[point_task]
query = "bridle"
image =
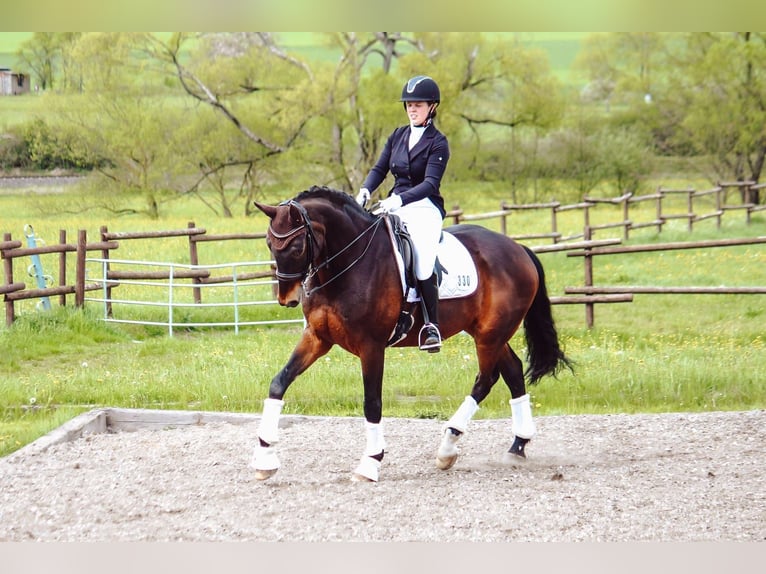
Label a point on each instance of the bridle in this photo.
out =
(310, 270)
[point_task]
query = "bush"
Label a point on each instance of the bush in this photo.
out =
(35, 145)
(13, 152)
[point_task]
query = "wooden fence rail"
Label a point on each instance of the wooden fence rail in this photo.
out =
(663, 214)
(591, 290)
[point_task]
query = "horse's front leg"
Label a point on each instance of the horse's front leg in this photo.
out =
(368, 468)
(265, 461)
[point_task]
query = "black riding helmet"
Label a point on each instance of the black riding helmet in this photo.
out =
(422, 89)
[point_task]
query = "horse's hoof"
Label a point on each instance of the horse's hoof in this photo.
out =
(265, 462)
(516, 453)
(360, 478)
(367, 471)
(447, 462)
(265, 474)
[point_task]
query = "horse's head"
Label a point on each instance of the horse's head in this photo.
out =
(293, 244)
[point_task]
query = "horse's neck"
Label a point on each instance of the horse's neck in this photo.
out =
(350, 238)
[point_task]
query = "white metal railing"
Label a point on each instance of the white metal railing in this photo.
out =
(239, 293)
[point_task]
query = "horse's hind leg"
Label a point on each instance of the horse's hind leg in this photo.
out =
(522, 423)
(454, 428)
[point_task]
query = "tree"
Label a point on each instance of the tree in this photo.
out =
(38, 53)
(359, 111)
(254, 86)
(721, 98)
(127, 127)
(493, 90)
(622, 67)
(49, 56)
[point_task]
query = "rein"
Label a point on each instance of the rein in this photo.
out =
(311, 270)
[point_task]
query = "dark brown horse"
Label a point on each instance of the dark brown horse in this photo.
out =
(337, 260)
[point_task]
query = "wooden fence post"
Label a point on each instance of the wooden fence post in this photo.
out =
(625, 218)
(62, 267)
(718, 207)
(588, 266)
(690, 209)
(194, 260)
(79, 280)
(10, 312)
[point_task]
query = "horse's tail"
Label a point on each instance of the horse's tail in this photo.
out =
(545, 356)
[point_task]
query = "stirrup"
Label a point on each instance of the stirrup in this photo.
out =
(433, 338)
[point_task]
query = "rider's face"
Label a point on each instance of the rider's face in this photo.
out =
(417, 112)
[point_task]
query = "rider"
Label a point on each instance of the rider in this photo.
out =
(416, 154)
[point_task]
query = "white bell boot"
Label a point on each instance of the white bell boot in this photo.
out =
(522, 423)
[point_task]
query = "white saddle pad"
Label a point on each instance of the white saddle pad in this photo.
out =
(458, 276)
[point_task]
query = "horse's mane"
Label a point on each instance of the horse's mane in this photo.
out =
(334, 196)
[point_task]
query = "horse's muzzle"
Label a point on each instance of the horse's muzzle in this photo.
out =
(290, 296)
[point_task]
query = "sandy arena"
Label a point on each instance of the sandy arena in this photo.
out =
(663, 477)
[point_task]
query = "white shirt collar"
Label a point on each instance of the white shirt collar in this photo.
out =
(416, 132)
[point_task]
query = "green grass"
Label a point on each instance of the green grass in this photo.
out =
(657, 354)
(17, 110)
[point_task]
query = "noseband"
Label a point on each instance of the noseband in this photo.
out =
(310, 270)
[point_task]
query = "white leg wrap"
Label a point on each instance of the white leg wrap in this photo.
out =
(268, 430)
(375, 441)
(448, 445)
(522, 424)
(463, 415)
(368, 468)
(264, 458)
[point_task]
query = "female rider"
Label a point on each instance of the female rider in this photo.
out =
(416, 154)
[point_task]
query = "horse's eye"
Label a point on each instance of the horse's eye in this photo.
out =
(296, 249)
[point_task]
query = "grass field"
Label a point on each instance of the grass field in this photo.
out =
(657, 354)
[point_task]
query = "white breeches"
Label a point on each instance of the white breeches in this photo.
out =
(424, 224)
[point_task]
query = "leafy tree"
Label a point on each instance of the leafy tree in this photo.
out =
(38, 53)
(126, 126)
(721, 98)
(49, 56)
(252, 85)
(622, 67)
(493, 90)
(359, 112)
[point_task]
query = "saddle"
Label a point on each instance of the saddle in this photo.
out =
(461, 283)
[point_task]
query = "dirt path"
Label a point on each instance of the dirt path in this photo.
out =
(668, 477)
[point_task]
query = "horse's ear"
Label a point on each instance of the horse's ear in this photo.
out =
(269, 210)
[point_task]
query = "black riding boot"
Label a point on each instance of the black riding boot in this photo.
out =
(430, 339)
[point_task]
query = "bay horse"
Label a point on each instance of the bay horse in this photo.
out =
(337, 260)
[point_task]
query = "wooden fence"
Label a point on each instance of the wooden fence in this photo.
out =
(13, 290)
(198, 276)
(591, 290)
(699, 206)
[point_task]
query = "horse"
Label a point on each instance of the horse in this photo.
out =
(337, 260)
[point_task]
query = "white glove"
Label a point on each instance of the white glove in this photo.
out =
(391, 203)
(363, 196)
